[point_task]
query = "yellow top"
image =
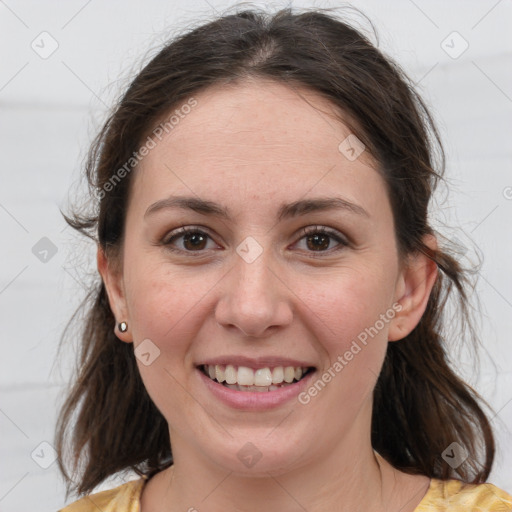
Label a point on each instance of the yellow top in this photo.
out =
(441, 496)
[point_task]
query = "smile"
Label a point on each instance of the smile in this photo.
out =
(243, 378)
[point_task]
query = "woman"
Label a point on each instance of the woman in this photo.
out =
(271, 291)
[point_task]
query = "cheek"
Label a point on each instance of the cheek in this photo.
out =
(350, 318)
(163, 305)
(347, 302)
(168, 308)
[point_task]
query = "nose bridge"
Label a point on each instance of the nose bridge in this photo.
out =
(252, 297)
(254, 276)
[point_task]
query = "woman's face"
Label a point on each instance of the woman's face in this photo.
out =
(251, 288)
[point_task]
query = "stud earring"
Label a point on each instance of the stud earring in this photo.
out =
(122, 326)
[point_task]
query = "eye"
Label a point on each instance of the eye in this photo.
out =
(194, 240)
(319, 238)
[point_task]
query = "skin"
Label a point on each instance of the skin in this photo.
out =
(252, 147)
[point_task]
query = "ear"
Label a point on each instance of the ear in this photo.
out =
(412, 292)
(116, 296)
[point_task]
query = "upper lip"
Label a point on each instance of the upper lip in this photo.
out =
(256, 362)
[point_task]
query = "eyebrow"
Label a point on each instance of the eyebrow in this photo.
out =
(286, 211)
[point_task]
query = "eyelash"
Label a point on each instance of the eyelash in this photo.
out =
(307, 231)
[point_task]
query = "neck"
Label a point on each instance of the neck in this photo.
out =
(352, 477)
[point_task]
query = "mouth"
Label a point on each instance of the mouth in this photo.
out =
(244, 378)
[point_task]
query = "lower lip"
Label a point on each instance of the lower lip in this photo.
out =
(255, 400)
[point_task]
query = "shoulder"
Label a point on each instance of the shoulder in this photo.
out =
(125, 498)
(457, 496)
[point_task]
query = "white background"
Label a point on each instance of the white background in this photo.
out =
(51, 108)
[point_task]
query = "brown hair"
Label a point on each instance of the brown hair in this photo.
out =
(420, 405)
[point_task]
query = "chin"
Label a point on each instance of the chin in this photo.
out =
(257, 456)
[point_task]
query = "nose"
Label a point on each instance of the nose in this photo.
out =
(253, 298)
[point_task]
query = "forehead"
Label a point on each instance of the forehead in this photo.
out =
(257, 139)
(262, 114)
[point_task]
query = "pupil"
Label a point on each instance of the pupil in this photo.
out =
(318, 237)
(196, 239)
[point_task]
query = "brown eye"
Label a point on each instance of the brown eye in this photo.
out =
(193, 240)
(317, 242)
(319, 239)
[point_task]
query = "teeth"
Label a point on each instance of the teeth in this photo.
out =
(219, 373)
(245, 376)
(277, 375)
(262, 377)
(247, 379)
(230, 374)
(289, 374)
(250, 388)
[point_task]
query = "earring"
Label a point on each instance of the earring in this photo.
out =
(122, 326)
